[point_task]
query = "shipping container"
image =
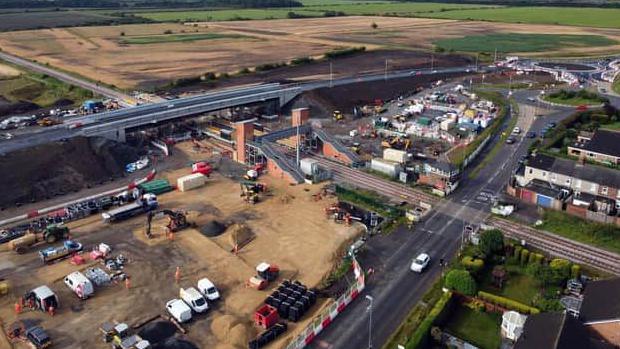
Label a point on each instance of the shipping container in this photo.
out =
(157, 186)
(309, 166)
(190, 182)
(399, 156)
(387, 167)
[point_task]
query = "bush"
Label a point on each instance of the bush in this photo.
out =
(374, 25)
(561, 269)
(532, 258)
(461, 281)
(344, 52)
(472, 264)
(517, 251)
(524, 256)
(575, 271)
(539, 258)
(507, 303)
(424, 328)
(302, 60)
(269, 66)
(168, 31)
(491, 241)
(541, 273)
(547, 304)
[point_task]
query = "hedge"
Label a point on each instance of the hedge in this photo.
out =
(524, 256)
(575, 271)
(421, 333)
(507, 303)
(517, 252)
(472, 264)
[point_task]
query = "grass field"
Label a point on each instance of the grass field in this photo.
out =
(40, 89)
(518, 42)
(605, 236)
(616, 85)
(156, 39)
(572, 16)
(314, 8)
(479, 328)
(575, 98)
(49, 19)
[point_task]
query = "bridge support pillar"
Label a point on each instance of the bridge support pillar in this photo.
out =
(115, 135)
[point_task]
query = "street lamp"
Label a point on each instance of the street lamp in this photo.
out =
(369, 309)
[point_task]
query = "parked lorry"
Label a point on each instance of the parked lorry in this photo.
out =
(146, 203)
(50, 235)
(194, 299)
(51, 254)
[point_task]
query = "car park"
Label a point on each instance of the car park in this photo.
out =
(420, 263)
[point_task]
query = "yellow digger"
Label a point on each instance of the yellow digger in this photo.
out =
(337, 115)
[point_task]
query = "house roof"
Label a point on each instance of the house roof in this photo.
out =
(603, 142)
(556, 331)
(601, 301)
(591, 173)
(544, 188)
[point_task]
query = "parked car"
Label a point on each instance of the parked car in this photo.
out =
(551, 125)
(516, 130)
(531, 99)
(179, 310)
(510, 140)
(38, 337)
(208, 289)
(194, 299)
(420, 263)
(530, 134)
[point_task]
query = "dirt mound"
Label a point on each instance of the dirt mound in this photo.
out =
(158, 331)
(212, 229)
(240, 234)
(230, 330)
(175, 343)
(49, 170)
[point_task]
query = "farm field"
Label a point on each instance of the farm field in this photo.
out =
(515, 42)
(575, 16)
(313, 8)
(48, 19)
(148, 55)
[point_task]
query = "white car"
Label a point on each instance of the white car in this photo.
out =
(179, 310)
(207, 288)
(516, 130)
(420, 263)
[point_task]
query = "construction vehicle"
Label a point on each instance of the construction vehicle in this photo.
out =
(120, 338)
(50, 235)
(250, 191)
(356, 147)
(176, 221)
(147, 203)
(337, 115)
(51, 254)
(45, 122)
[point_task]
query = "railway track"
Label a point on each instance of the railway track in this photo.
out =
(345, 174)
(559, 246)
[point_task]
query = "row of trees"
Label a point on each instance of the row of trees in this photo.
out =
(150, 4)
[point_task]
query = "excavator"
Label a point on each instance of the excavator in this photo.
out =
(176, 221)
(396, 143)
(337, 115)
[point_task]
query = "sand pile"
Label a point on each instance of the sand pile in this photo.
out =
(230, 330)
(239, 235)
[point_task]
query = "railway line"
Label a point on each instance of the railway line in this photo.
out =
(349, 175)
(558, 246)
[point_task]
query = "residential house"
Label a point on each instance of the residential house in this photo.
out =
(602, 146)
(600, 309)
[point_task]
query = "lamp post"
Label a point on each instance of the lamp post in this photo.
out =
(369, 309)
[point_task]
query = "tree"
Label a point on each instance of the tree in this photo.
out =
(491, 241)
(374, 25)
(461, 281)
(560, 268)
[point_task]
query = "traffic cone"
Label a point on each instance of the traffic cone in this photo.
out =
(18, 308)
(127, 283)
(177, 275)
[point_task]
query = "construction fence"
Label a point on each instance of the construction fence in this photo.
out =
(327, 315)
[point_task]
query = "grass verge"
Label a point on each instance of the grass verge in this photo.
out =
(605, 236)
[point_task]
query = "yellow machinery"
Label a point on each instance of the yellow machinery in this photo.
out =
(338, 115)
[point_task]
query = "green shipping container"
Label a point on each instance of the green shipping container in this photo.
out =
(158, 186)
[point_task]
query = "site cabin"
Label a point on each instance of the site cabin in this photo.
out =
(208, 289)
(42, 298)
(194, 299)
(80, 285)
(179, 310)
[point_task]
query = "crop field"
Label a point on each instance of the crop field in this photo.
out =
(312, 8)
(156, 39)
(145, 55)
(577, 16)
(37, 20)
(515, 42)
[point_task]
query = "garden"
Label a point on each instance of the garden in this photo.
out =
(488, 279)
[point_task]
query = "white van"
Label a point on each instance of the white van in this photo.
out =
(194, 299)
(207, 288)
(79, 284)
(179, 310)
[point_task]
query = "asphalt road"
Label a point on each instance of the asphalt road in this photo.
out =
(394, 288)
